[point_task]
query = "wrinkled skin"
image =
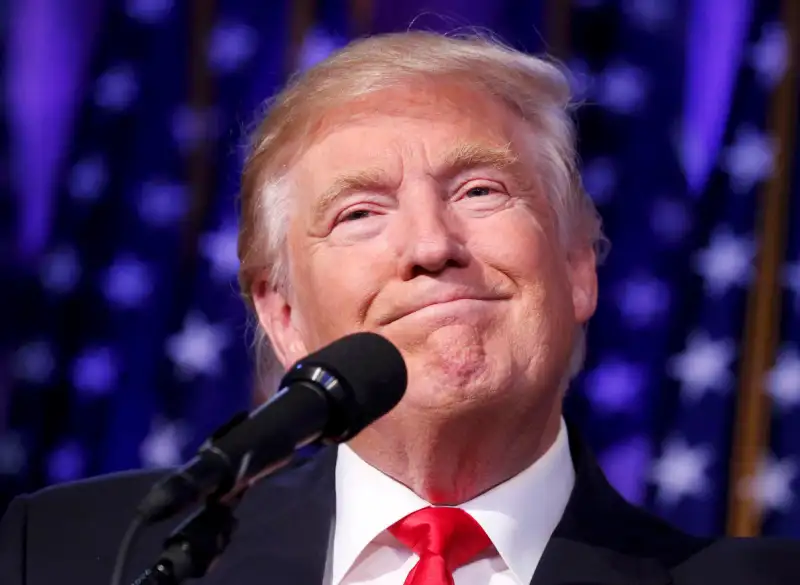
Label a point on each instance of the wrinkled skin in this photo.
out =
(439, 236)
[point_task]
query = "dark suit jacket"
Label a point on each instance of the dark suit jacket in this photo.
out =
(70, 534)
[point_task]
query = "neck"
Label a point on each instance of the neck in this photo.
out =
(450, 461)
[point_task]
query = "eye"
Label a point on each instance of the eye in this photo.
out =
(357, 214)
(354, 215)
(478, 192)
(482, 190)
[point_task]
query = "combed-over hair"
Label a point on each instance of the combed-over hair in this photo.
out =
(534, 88)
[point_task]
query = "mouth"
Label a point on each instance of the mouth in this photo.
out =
(450, 307)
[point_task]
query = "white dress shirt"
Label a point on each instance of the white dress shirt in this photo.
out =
(519, 516)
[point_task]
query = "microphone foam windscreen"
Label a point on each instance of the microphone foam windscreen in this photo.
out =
(371, 367)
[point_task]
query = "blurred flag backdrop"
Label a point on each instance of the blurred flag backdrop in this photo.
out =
(124, 342)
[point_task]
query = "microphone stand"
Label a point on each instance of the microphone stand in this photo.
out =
(194, 545)
(199, 540)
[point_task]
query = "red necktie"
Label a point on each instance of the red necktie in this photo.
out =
(444, 539)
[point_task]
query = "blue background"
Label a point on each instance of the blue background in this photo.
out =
(123, 339)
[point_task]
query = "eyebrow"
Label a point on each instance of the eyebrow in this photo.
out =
(462, 158)
(471, 155)
(373, 179)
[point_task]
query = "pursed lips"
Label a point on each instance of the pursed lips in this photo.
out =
(438, 300)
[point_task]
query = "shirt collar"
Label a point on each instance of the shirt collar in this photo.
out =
(519, 515)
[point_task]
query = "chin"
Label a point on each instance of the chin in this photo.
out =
(443, 401)
(456, 352)
(454, 363)
(453, 383)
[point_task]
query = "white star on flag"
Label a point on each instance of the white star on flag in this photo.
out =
(615, 385)
(749, 160)
(60, 270)
(192, 126)
(704, 365)
(88, 178)
(580, 78)
(681, 471)
(12, 454)
(219, 248)
(650, 14)
(642, 299)
(66, 463)
(197, 347)
(783, 381)
(149, 11)
(622, 88)
(94, 372)
(791, 280)
(769, 57)
(600, 179)
(116, 88)
(162, 203)
(617, 461)
(771, 486)
(726, 262)
(231, 46)
(127, 282)
(317, 45)
(163, 445)
(670, 220)
(33, 362)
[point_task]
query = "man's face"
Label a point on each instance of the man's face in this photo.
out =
(420, 215)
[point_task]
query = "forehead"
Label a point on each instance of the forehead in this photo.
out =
(373, 131)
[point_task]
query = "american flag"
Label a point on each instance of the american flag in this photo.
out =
(130, 343)
(676, 151)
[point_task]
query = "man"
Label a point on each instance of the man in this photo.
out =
(424, 188)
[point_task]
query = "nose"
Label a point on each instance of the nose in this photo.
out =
(431, 240)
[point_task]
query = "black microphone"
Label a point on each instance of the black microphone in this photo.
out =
(331, 396)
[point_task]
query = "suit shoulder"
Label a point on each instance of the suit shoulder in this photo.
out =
(123, 484)
(12, 539)
(641, 533)
(104, 496)
(698, 560)
(117, 494)
(69, 529)
(694, 560)
(763, 560)
(72, 531)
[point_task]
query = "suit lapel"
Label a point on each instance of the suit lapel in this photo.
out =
(591, 544)
(284, 528)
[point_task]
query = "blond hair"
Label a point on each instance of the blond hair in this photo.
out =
(534, 88)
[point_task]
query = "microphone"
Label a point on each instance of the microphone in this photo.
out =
(331, 395)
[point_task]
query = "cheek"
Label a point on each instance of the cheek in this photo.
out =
(516, 244)
(342, 282)
(529, 254)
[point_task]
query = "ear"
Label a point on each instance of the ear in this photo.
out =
(280, 323)
(583, 279)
